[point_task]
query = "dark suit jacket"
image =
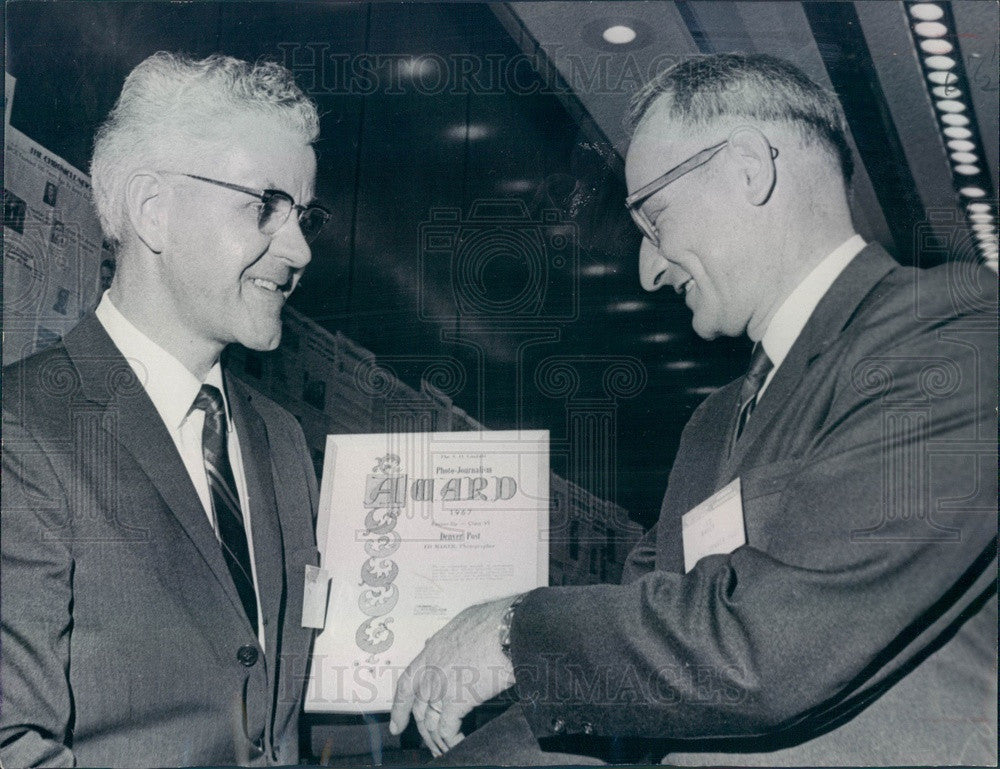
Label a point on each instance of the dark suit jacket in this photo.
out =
(124, 640)
(858, 623)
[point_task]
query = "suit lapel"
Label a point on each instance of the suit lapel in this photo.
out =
(831, 316)
(267, 543)
(106, 377)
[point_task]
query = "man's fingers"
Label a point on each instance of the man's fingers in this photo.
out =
(454, 740)
(402, 703)
(428, 740)
(449, 729)
(432, 720)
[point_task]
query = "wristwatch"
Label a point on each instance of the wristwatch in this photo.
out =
(504, 628)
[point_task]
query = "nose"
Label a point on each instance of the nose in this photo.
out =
(653, 267)
(290, 245)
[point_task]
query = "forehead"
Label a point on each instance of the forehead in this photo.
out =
(262, 151)
(658, 145)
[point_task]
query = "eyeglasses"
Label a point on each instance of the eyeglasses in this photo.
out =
(276, 207)
(634, 201)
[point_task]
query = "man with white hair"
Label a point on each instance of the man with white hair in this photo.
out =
(834, 602)
(157, 514)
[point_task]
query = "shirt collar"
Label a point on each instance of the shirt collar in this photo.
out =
(793, 314)
(170, 385)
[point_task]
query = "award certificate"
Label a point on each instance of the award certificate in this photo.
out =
(413, 528)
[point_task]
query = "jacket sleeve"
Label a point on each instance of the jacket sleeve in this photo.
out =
(879, 536)
(36, 620)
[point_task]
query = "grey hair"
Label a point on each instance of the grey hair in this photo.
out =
(755, 87)
(172, 105)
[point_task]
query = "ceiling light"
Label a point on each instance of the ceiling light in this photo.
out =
(967, 170)
(598, 270)
(978, 208)
(950, 105)
(964, 157)
(973, 192)
(619, 34)
(679, 365)
(704, 390)
(942, 78)
(939, 62)
(960, 145)
(952, 119)
(930, 29)
(954, 132)
(660, 337)
(946, 92)
(936, 47)
(926, 11)
(983, 228)
(518, 185)
(983, 218)
(630, 305)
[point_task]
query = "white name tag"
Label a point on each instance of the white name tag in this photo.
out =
(714, 527)
(314, 597)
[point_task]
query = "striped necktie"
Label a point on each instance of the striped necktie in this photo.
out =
(760, 366)
(225, 500)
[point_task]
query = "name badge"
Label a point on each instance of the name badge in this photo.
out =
(314, 597)
(715, 526)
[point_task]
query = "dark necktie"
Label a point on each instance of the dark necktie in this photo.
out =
(760, 365)
(225, 500)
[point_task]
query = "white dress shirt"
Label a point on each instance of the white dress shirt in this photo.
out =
(793, 314)
(172, 388)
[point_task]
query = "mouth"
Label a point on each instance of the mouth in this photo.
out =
(283, 290)
(684, 287)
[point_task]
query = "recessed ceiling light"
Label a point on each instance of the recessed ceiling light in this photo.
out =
(954, 132)
(930, 29)
(978, 208)
(936, 47)
(598, 270)
(660, 338)
(926, 11)
(952, 119)
(630, 305)
(950, 105)
(946, 92)
(964, 157)
(984, 228)
(939, 62)
(967, 169)
(679, 365)
(973, 192)
(703, 390)
(619, 34)
(942, 78)
(961, 145)
(982, 218)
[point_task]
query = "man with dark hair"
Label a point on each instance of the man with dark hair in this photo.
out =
(849, 615)
(158, 515)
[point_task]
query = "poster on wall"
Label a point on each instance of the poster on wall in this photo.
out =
(53, 249)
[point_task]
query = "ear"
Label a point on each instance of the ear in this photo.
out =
(756, 163)
(145, 206)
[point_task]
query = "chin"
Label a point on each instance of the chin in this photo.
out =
(263, 340)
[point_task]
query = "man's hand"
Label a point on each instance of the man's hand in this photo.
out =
(460, 667)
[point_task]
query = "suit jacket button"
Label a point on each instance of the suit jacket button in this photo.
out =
(247, 655)
(588, 728)
(558, 725)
